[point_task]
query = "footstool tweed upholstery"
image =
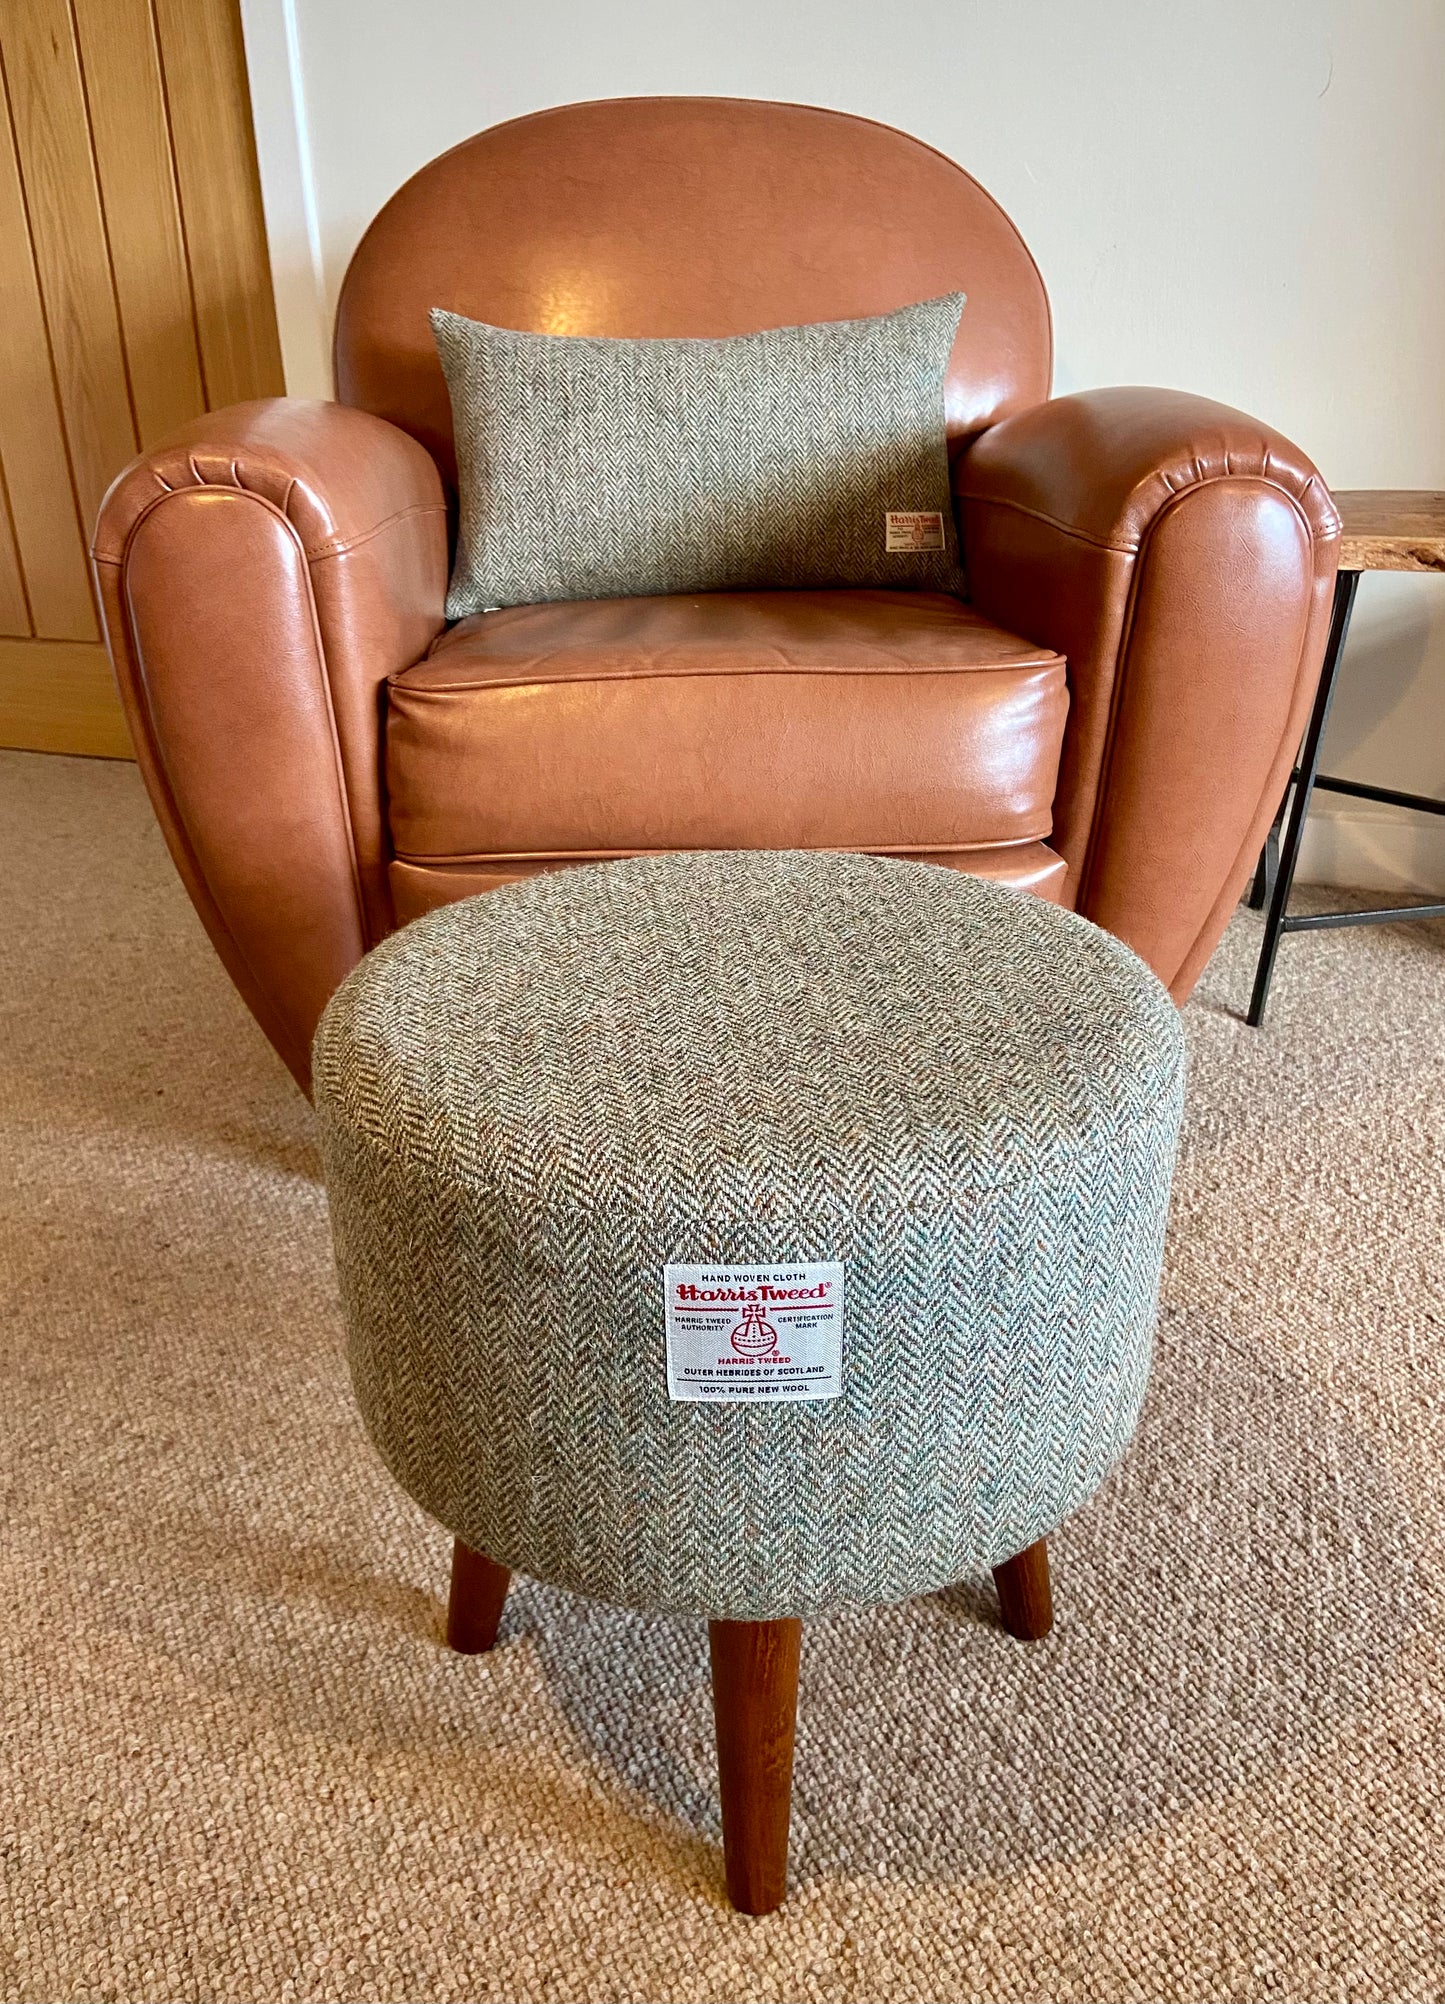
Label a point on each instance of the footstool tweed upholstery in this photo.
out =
(530, 1101)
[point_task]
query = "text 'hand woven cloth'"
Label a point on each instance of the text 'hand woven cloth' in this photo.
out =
(750, 1115)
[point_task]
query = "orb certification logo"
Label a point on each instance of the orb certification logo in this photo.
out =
(754, 1333)
(752, 1337)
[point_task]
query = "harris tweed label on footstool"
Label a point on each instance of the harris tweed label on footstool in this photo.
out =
(757, 1333)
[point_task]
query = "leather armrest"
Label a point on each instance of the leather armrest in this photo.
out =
(1181, 556)
(261, 573)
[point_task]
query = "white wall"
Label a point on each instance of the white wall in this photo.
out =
(1240, 197)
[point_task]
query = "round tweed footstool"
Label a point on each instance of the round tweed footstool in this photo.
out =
(739, 1235)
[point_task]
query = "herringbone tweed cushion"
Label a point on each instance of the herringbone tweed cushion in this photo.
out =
(530, 1101)
(601, 468)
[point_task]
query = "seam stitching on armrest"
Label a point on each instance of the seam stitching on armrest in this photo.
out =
(1270, 794)
(1053, 521)
(339, 545)
(158, 753)
(1119, 691)
(1262, 475)
(130, 676)
(319, 644)
(336, 546)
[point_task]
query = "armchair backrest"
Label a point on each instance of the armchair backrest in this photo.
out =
(686, 215)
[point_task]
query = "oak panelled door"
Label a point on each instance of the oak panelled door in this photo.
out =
(134, 293)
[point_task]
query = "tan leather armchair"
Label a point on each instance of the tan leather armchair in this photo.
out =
(1109, 720)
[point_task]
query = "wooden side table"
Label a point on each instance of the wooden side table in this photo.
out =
(1384, 530)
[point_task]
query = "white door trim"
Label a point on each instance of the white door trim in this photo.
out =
(288, 193)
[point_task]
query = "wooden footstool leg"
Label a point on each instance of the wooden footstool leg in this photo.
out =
(755, 1704)
(479, 1587)
(1025, 1599)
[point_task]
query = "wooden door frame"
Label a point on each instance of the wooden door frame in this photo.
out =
(139, 276)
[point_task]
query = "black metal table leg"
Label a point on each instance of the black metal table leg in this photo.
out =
(1299, 803)
(1267, 869)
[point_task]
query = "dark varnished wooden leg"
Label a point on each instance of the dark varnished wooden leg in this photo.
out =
(479, 1587)
(755, 1704)
(1025, 1598)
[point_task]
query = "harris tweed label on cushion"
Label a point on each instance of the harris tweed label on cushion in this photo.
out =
(594, 467)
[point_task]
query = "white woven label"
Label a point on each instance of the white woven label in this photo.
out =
(764, 1334)
(912, 529)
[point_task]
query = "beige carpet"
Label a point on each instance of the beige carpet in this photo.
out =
(235, 1762)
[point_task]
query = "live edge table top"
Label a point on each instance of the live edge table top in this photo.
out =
(1391, 529)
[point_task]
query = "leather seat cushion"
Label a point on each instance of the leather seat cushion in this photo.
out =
(897, 722)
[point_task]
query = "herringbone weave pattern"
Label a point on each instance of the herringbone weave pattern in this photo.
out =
(600, 468)
(529, 1102)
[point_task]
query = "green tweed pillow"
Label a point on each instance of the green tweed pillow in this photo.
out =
(591, 467)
